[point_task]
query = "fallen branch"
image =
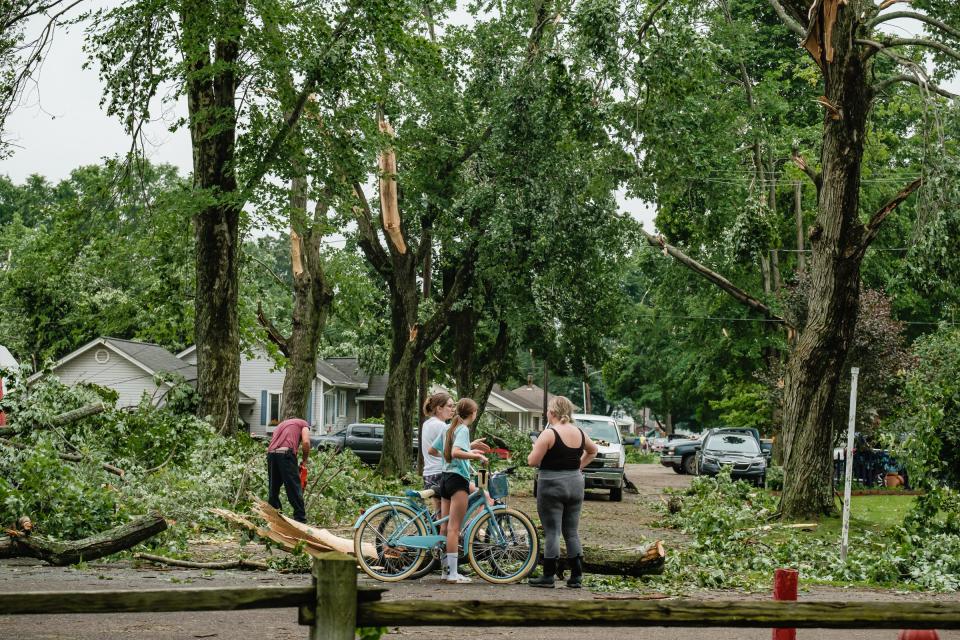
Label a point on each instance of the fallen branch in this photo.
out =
(68, 457)
(643, 561)
(60, 553)
(242, 563)
(78, 414)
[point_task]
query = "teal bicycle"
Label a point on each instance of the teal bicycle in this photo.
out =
(397, 538)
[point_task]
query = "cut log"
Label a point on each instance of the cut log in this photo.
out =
(60, 553)
(634, 563)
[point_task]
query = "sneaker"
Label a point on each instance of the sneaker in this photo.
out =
(458, 579)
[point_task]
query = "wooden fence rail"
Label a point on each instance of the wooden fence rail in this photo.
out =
(334, 606)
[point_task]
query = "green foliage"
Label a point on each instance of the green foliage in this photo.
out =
(636, 456)
(101, 253)
(927, 428)
(730, 548)
(174, 463)
(745, 404)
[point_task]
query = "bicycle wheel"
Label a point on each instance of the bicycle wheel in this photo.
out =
(375, 555)
(503, 549)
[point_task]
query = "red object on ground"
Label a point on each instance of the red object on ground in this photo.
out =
(918, 634)
(303, 476)
(503, 454)
(785, 588)
(3, 416)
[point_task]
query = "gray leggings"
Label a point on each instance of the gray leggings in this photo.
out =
(559, 499)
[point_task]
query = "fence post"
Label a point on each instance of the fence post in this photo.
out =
(335, 579)
(785, 588)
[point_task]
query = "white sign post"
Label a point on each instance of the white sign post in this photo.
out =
(848, 463)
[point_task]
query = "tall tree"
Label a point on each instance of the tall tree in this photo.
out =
(209, 50)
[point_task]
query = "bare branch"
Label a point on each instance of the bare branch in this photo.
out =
(285, 285)
(915, 42)
(272, 332)
(739, 294)
(369, 241)
(649, 21)
(798, 160)
(929, 86)
(889, 3)
(873, 227)
(895, 15)
(785, 17)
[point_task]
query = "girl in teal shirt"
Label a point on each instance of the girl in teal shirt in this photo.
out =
(455, 481)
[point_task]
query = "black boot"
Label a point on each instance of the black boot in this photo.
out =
(547, 579)
(575, 581)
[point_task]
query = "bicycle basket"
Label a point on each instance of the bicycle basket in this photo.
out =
(499, 487)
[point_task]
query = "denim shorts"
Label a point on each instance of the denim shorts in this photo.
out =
(432, 482)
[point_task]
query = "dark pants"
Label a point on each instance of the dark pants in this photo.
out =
(282, 469)
(559, 500)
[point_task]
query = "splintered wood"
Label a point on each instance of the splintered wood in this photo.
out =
(289, 533)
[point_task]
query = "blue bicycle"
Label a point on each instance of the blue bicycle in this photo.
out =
(398, 537)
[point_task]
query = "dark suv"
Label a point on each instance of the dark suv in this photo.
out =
(736, 449)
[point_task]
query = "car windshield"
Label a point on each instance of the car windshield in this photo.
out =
(733, 444)
(600, 430)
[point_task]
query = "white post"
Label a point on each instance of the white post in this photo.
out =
(848, 464)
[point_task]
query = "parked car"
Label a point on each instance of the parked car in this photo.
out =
(734, 448)
(657, 444)
(681, 455)
(365, 440)
(606, 470)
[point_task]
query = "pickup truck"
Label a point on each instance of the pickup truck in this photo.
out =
(364, 439)
(681, 455)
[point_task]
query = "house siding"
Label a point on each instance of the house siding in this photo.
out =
(259, 376)
(127, 379)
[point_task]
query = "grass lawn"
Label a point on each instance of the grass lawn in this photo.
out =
(874, 513)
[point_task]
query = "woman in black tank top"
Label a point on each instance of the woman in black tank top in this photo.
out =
(560, 457)
(560, 490)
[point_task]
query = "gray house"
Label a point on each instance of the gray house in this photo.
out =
(126, 366)
(341, 392)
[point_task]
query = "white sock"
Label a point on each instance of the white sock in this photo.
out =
(452, 565)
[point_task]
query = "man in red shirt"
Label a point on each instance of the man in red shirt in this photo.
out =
(282, 468)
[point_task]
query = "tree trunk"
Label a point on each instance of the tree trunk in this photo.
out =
(406, 355)
(211, 90)
(312, 298)
(815, 365)
(61, 554)
(798, 216)
(476, 369)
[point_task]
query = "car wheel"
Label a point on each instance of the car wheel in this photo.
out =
(616, 495)
(690, 465)
(677, 469)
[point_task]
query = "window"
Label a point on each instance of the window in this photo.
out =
(273, 408)
(362, 432)
(341, 404)
(378, 433)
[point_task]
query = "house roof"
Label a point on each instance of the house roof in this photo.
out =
(342, 372)
(376, 388)
(532, 396)
(514, 399)
(153, 357)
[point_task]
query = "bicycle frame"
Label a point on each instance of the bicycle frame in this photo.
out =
(477, 505)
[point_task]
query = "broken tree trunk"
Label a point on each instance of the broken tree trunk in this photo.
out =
(60, 553)
(634, 563)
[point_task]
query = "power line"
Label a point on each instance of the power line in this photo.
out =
(731, 319)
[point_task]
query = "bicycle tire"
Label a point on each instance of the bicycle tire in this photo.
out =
(498, 563)
(397, 563)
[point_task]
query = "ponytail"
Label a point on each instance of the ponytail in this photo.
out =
(465, 408)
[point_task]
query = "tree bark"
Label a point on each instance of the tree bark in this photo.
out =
(643, 561)
(96, 546)
(815, 365)
(210, 102)
(312, 299)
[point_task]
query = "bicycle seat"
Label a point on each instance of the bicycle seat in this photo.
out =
(423, 495)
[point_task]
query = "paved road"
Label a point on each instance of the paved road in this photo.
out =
(280, 624)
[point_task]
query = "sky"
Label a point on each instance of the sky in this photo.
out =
(61, 125)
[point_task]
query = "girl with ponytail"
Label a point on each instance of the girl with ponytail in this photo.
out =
(455, 445)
